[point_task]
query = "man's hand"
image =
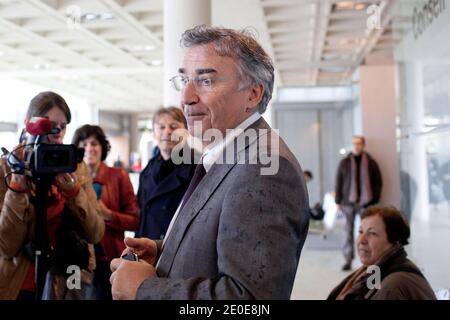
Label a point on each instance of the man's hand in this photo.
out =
(145, 248)
(127, 276)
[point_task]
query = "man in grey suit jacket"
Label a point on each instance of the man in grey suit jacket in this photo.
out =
(239, 233)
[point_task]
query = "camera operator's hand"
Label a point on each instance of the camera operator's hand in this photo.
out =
(106, 213)
(68, 184)
(145, 248)
(19, 181)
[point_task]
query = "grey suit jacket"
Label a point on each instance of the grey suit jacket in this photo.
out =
(240, 234)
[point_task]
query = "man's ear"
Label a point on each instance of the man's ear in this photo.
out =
(255, 95)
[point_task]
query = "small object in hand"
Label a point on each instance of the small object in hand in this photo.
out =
(130, 256)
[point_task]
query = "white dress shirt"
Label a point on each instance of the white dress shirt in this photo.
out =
(211, 155)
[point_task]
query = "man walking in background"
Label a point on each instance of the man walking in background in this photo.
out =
(358, 185)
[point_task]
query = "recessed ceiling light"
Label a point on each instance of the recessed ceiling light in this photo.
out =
(156, 62)
(138, 48)
(88, 17)
(345, 5)
(106, 16)
(351, 5)
(38, 66)
(93, 16)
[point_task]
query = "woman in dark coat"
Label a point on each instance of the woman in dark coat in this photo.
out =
(382, 235)
(163, 183)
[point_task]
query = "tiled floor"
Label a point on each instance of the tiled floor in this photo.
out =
(320, 265)
(429, 247)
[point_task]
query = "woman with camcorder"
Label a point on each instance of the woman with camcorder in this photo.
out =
(73, 220)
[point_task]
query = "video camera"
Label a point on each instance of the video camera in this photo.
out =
(42, 157)
(54, 158)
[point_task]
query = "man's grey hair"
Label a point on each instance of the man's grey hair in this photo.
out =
(255, 65)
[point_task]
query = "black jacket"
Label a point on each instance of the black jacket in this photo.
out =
(159, 198)
(344, 179)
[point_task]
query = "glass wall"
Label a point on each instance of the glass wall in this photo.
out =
(424, 132)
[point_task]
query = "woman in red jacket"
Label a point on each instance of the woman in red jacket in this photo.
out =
(116, 200)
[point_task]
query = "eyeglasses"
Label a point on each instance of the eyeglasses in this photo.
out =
(202, 83)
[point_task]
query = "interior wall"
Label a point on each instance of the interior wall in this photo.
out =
(425, 131)
(300, 130)
(117, 129)
(315, 135)
(337, 131)
(120, 149)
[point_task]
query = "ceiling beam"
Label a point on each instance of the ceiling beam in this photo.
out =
(120, 11)
(375, 35)
(35, 38)
(289, 14)
(143, 6)
(81, 72)
(306, 28)
(265, 25)
(322, 24)
(33, 59)
(303, 55)
(277, 3)
(52, 12)
(372, 37)
(295, 65)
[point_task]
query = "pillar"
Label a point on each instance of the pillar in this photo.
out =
(179, 15)
(378, 115)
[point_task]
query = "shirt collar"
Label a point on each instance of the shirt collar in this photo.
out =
(211, 154)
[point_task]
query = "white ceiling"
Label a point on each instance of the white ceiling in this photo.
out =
(116, 63)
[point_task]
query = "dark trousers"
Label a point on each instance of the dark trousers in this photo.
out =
(350, 212)
(26, 296)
